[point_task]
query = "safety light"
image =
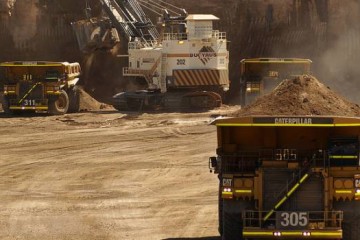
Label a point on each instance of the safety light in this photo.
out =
(52, 89)
(306, 234)
(357, 194)
(9, 89)
(277, 234)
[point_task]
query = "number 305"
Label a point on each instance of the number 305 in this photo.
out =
(294, 219)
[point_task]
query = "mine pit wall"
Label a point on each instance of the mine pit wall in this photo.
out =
(325, 31)
(41, 30)
(35, 30)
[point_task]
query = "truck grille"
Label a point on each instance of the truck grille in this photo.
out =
(36, 93)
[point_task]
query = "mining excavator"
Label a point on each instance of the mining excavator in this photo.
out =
(186, 66)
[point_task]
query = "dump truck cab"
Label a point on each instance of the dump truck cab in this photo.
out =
(261, 75)
(288, 177)
(40, 86)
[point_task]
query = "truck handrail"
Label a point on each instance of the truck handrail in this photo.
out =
(321, 219)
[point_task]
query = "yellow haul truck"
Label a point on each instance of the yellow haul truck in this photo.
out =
(261, 75)
(288, 177)
(40, 86)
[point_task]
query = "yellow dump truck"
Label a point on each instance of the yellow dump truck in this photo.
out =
(40, 86)
(288, 177)
(261, 75)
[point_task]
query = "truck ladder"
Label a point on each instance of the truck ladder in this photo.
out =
(284, 195)
(28, 92)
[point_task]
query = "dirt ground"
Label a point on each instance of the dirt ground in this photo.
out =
(108, 175)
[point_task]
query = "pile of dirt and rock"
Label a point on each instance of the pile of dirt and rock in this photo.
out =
(303, 95)
(88, 103)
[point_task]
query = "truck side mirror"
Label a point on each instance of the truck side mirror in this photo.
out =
(212, 163)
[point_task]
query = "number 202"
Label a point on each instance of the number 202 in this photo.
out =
(180, 62)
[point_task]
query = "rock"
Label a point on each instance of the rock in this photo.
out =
(88, 103)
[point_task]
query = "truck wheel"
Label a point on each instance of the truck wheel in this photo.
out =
(220, 212)
(351, 222)
(6, 105)
(232, 226)
(232, 219)
(351, 227)
(59, 105)
(74, 99)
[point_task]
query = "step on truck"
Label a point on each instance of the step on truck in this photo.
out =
(40, 86)
(288, 177)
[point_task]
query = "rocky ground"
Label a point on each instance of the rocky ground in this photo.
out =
(108, 175)
(103, 174)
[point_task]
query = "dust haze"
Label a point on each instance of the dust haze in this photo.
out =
(324, 31)
(338, 65)
(24, 29)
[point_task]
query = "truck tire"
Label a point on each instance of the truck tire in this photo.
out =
(220, 212)
(232, 219)
(6, 105)
(351, 222)
(74, 99)
(351, 229)
(59, 105)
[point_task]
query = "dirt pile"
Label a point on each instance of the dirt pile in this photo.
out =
(88, 103)
(304, 95)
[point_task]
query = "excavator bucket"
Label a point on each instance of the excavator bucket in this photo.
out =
(95, 34)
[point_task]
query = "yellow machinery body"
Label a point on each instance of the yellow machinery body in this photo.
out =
(38, 85)
(289, 177)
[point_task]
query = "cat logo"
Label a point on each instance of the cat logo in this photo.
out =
(227, 182)
(357, 181)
